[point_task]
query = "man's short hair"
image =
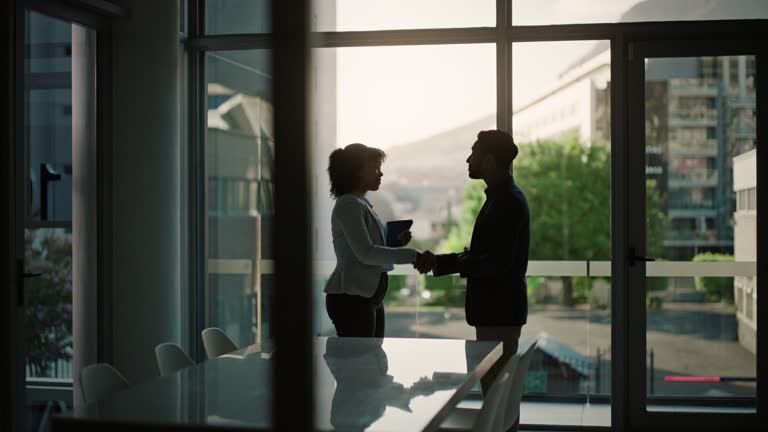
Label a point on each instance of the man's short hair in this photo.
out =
(499, 144)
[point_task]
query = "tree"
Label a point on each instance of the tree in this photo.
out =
(567, 185)
(568, 189)
(461, 233)
(716, 288)
(48, 309)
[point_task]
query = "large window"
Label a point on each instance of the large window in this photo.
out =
(422, 96)
(239, 154)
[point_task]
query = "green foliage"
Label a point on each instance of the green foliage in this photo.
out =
(394, 284)
(568, 189)
(653, 302)
(461, 233)
(716, 288)
(48, 311)
(656, 221)
(568, 186)
(532, 282)
(446, 290)
(582, 289)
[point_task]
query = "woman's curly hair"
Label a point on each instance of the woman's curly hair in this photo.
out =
(345, 164)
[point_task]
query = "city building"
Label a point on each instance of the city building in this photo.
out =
(745, 245)
(699, 112)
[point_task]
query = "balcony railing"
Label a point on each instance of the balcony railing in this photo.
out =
(691, 204)
(683, 114)
(705, 176)
(324, 268)
(693, 148)
(710, 235)
(49, 389)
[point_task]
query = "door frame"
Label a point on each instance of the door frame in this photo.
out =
(637, 416)
(99, 17)
(12, 365)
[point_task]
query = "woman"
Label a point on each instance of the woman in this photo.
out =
(356, 288)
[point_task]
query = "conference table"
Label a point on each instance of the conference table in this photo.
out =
(360, 383)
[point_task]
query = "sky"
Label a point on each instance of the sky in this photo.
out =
(394, 95)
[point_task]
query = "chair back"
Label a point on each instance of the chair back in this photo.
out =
(99, 380)
(171, 358)
(217, 343)
(489, 417)
(512, 401)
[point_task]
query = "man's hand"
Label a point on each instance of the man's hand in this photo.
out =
(404, 237)
(425, 262)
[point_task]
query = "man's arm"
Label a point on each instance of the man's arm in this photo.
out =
(494, 263)
(446, 264)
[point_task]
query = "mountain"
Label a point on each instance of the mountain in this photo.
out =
(438, 160)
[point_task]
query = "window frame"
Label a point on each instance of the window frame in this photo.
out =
(622, 38)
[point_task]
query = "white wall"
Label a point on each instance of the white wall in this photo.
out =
(745, 249)
(146, 193)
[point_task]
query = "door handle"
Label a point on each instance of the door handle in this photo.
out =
(634, 258)
(20, 281)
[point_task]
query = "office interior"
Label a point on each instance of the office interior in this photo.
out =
(165, 172)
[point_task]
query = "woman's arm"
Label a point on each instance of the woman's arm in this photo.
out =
(351, 218)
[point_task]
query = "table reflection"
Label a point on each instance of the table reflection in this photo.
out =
(364, 388)
(376, 384)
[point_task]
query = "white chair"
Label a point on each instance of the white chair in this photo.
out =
(511, 404)
(99, 380)
(488, 418)
(171, 358)
(217, 343)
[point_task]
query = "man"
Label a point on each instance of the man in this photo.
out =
(497, 259)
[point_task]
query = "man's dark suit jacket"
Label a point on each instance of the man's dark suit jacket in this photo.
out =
(497, 259)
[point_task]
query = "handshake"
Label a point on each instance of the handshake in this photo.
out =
(425, 262)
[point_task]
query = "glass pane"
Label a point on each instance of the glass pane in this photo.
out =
(360, 15)
(48, 105)
(239, 157)
(56, 55)
(48, 323)
(561, 121)
(700, 171)
(545, 12)
(423, 105)
(238, 16)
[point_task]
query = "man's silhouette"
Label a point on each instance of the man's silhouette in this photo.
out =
(497, 258)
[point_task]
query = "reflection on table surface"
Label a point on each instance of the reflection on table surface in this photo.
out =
(361, 383)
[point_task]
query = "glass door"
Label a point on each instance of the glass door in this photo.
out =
(58, 198)
(693, 236)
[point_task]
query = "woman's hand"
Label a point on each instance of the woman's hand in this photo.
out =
(404, 237)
